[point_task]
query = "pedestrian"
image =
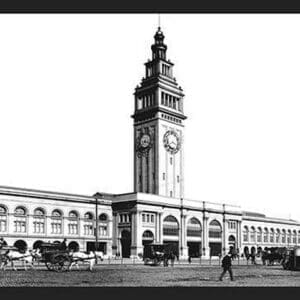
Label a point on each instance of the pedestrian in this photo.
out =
(172, 257)
(190, 259)
(253, 259)
(63, 245)
(2, 242)
(165, 259)
(227, 266)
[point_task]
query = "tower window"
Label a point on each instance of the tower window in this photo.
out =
(164, 176)
(171, 160)
(177, 178)
(171, 193)
(162, 98)
(174, 102)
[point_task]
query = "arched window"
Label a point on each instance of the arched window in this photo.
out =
(277, 236)
(194, 228)
(21, 245)
(246, 234)
(147, 237)
(73, 223)
(170, 226)
(39, 221)
(73, 246)
(266, 235)
(3, 219)
(283, 236)
(215, 230)
(20, 219)
(289, 236)
(272, 234)
(88, 216)
(103, 217)
(88, 223)
(252, 234)
(259, 235)
(37, 244)
(56, 222)
(294, 237)
(103, 225)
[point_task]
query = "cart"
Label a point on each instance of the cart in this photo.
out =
(155, 254)
(291, 260)
(54, 258)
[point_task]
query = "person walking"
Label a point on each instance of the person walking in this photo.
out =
(63, 245)
(2, 242)
(227, 266)
(253, 261)
(172, 258)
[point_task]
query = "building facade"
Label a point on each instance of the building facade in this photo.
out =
(157, 210)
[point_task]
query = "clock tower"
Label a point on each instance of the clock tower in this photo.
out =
(158, 127)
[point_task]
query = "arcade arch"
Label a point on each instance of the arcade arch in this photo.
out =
(193, 236)
(215, 238)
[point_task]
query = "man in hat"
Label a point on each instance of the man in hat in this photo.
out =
(63, 245)
(226, 265)
(2, 242)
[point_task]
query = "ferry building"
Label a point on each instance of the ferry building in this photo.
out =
(157, 210)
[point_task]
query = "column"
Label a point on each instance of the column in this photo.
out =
(161, 228)
(136, 235)
(157, 228)
(225, 247)
(205, 244)
(29, 224)
(115, 234)
(110, 230)
(183, 249)
(239, 235)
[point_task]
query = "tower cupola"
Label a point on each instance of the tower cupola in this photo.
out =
(159, 48)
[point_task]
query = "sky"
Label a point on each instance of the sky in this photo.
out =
(66, 97)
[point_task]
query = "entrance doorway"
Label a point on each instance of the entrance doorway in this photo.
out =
(21, 245)
(215, 249)
(148, 237)
(175, 246)
(194, 249)
(125, 243)
(91, 246)
(73, 246)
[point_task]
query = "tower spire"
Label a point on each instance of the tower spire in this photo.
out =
(158, 21)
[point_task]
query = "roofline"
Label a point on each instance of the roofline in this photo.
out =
(17, 191)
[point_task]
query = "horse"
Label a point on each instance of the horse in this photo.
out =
(169, 256)
(90, 257)
(272, 255)
(13, 255)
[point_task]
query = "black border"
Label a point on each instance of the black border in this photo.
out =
(149, 6)
(143, 293)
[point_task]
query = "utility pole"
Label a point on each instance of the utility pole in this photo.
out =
(96, 197)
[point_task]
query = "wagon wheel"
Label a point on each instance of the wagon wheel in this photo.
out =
(49, 265)
(61, 263)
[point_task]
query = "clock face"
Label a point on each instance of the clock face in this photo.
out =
(143, 144)
(172, 141)
(145, 141)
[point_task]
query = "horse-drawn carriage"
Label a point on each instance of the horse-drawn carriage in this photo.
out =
(291, 259)
(55, 257)
(154, 254)
(272, 254)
